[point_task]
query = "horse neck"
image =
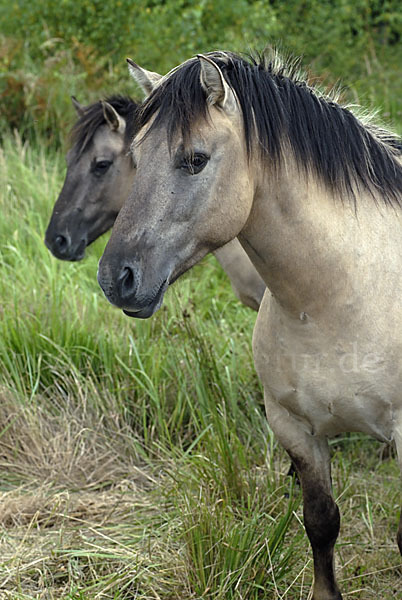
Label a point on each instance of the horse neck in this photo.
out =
(309, 246)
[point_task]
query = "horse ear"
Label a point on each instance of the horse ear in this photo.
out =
(112, 117)
(79, 108)
(215, 85)
(147, 80)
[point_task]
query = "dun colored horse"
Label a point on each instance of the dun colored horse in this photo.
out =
(228, 147)
(100, 174)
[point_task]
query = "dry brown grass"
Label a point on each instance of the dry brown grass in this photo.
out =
(66, 444)
(53, 543)
(78, 507)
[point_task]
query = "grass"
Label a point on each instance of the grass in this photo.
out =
(135, 457)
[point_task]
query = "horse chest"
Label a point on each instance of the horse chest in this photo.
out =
(331, 385)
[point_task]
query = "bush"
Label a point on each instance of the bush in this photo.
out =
(52, 50)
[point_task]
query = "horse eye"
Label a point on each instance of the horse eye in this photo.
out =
(101, 167)
(194, 164)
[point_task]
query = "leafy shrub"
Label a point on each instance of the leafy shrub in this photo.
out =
(52, 50)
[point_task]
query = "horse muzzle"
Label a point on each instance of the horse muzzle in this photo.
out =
(125, 288)
(64, 248)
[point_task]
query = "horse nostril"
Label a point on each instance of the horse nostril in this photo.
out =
(60, 242)
(127, 281)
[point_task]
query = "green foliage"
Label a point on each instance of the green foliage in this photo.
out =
(163, 32)
(357, 43)
(50, 50)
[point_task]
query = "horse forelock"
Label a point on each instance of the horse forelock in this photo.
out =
(281, 109)
(84, 129)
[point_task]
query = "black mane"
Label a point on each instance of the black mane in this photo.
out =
(280, 111)
(87, 124)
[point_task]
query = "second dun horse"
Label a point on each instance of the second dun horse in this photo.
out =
(99, 176)
(228, 147)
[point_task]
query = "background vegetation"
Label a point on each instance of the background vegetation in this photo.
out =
(50, 50)
(135, 457)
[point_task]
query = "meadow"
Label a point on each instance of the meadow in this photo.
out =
(136, 461)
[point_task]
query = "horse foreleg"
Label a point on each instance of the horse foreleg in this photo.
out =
(292, 472)
(311, 457)
(399, 534)
(322, 522)
(398, 444)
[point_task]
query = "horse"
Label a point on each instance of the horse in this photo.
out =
(230, 146)
(99, 176)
